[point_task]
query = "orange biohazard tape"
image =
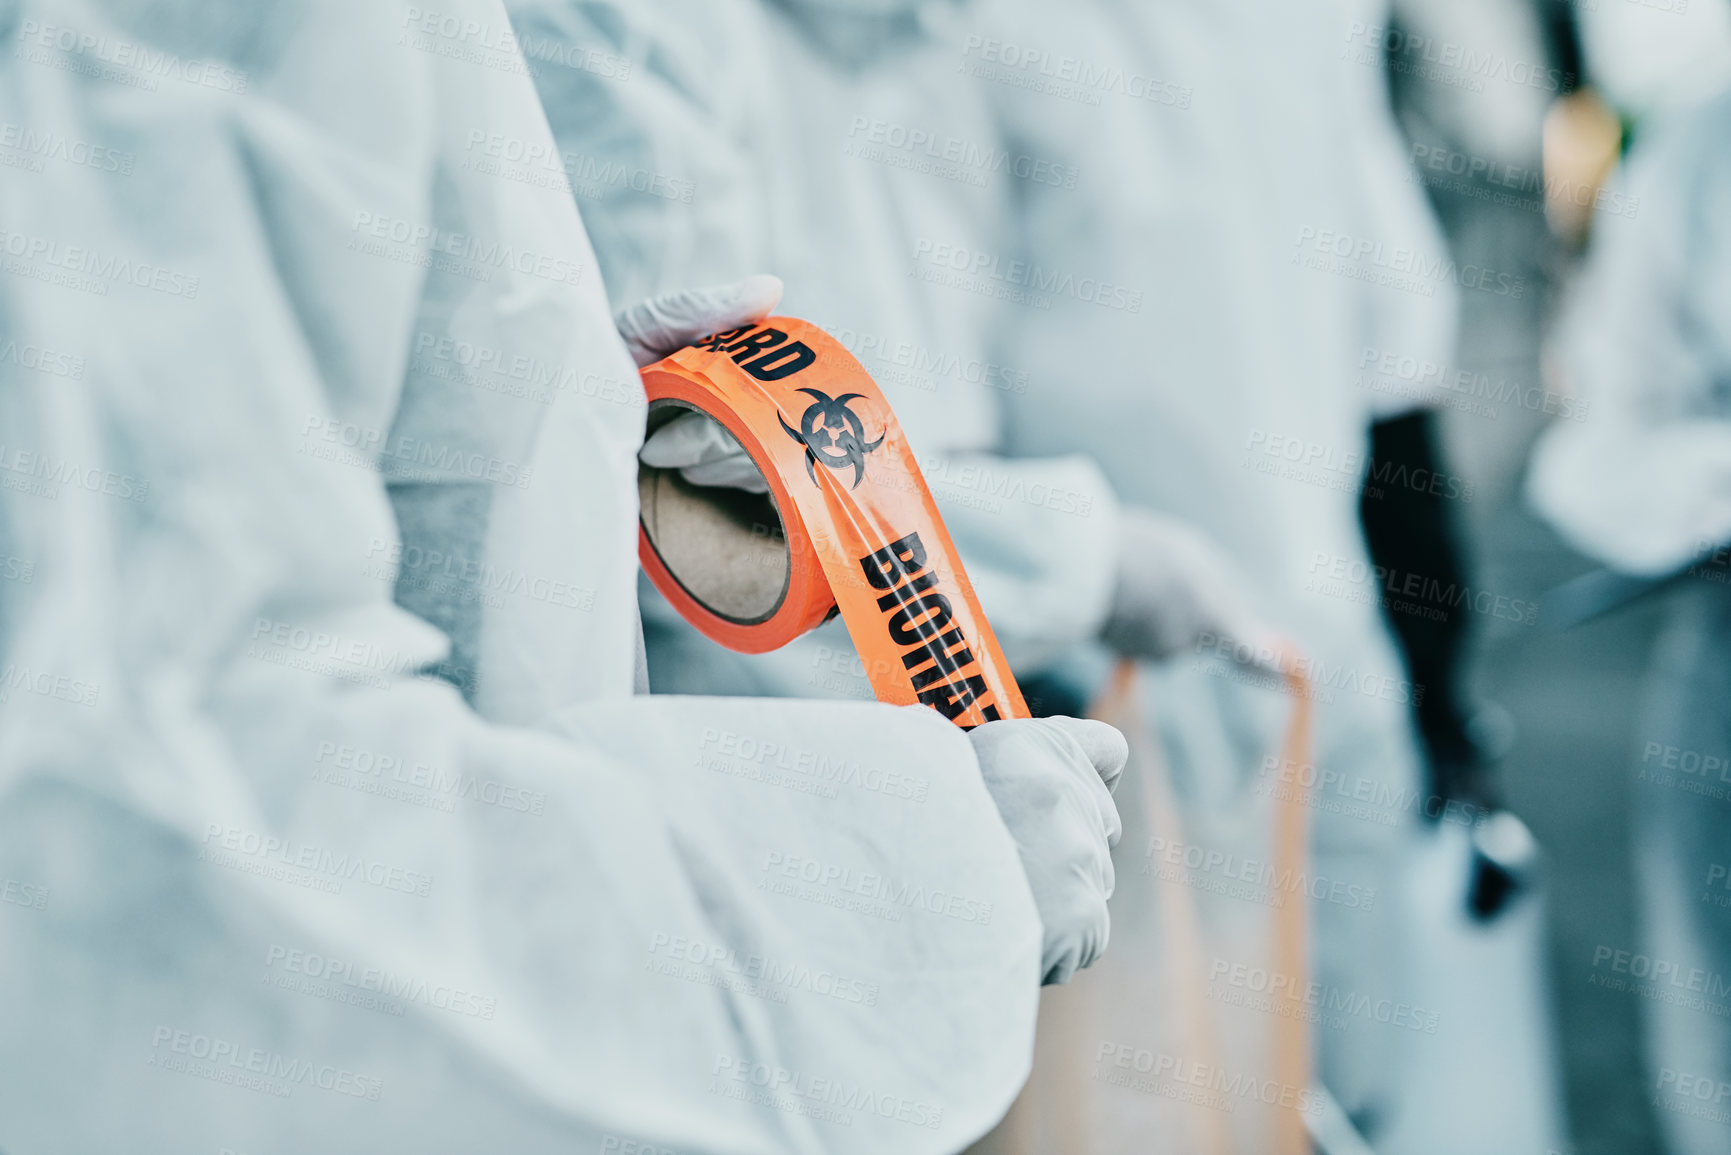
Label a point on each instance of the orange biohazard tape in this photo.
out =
(848, 523)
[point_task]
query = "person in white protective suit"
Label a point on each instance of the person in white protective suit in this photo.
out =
(829, 141)
(1242, 192)
(271, 884)
(1643, 484)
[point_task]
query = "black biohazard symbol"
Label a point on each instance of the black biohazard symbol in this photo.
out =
(833, 434)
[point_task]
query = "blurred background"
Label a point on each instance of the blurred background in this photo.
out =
(1558, 706)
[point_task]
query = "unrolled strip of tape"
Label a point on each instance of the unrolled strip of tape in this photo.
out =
(848, 524)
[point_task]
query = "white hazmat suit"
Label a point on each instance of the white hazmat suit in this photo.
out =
(1239, 254)
(270, 884)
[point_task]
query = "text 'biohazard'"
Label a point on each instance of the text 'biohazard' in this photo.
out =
(764, 352)
(918, 620)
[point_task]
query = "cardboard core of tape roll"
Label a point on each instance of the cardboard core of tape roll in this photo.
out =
(725, 547)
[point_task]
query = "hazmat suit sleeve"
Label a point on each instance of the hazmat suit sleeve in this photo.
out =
(1643, 480)
(287, 891)
(737, 148)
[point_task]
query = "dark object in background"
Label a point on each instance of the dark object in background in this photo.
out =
(1562, 33)
(1414, 543)
(1421, 569)
(1505, 857)
(1051, 694)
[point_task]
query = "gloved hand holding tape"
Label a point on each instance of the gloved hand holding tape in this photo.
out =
(845, 523)
(776, 490)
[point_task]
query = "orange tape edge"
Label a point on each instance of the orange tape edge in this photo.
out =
(808, 600)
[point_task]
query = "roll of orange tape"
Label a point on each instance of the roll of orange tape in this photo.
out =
(848, 523)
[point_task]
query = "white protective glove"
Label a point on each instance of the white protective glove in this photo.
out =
(1052, 779)
(1175, 588)
(702, 451)
(654, 328)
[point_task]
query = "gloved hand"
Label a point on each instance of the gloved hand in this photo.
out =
(703, 452)
(1052, 780)
(1174, 588)
(654, 328)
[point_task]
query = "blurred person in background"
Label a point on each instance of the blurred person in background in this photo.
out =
(1643, 485)
(1473, 140)
(1244, 180)
(1517, 114)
